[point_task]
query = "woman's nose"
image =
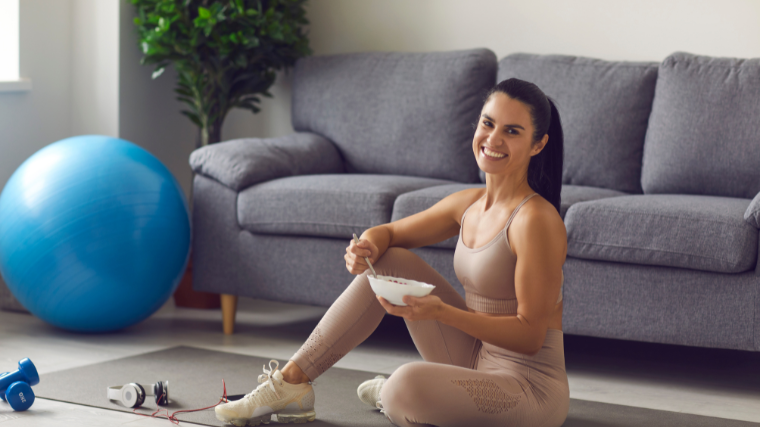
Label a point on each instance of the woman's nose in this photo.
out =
(493, 139)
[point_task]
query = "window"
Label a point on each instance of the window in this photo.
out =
(9, 40)
(10, 81)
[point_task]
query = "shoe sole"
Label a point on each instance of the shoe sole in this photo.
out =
(303, 417)
(284, 418)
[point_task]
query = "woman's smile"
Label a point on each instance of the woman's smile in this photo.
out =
(492, 155)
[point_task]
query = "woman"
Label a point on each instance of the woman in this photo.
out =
(498, 353)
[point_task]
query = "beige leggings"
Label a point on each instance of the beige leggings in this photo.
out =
(463, 381)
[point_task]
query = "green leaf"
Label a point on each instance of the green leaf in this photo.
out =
(225, 52)
(189, 101)
(158, 72)
(193, 118)
(183, 92)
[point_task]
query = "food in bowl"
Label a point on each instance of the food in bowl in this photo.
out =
(393, 289)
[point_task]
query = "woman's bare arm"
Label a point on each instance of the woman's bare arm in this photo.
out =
(433, 225)
(539, 240)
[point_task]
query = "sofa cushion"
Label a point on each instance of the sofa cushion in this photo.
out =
(331, 205)
(414, 202)
(396, 113)
(604, 107)
(572, 194)
(752, 214)
(703, 135)
(240, 163)
(696, 232)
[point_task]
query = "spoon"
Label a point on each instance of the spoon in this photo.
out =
(356, 240)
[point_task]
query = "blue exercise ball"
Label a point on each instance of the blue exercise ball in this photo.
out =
(94, 234)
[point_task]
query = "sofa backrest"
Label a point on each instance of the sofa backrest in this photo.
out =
(604, 107)
(396, 113)
(704, 132)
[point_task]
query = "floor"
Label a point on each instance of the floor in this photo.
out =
(719, 383)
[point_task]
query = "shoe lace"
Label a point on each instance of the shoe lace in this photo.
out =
(267, 380)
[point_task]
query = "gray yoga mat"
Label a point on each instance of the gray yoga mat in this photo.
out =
(195, 381)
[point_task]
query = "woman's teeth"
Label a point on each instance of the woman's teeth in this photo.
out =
(490, 153)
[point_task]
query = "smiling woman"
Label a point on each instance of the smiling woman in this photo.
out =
(493, 358)
(521, 104)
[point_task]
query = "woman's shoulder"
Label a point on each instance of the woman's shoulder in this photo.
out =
(539, 217)
(463, 199)
(539, 210)
(469, 194)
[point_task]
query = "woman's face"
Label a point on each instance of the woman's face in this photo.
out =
(503, 141)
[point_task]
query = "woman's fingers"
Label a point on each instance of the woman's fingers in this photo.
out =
(396, 310)
(355, 255)
(354, 260)
(390, 308)
(360, 250)
(354, 265)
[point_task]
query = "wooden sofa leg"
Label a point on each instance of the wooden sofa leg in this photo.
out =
(229, 309)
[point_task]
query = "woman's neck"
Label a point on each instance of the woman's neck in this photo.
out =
(504, 190)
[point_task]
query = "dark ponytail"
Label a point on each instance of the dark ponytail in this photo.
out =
(545, 168)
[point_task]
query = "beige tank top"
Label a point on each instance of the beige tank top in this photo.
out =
(488, 272)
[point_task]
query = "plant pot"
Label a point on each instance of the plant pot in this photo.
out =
(186, 296)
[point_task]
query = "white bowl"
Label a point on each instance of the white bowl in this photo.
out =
(394, 288)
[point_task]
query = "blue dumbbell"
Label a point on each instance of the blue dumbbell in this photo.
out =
(2, 392)
(17, 385)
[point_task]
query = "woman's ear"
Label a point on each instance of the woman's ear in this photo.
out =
(539, 146)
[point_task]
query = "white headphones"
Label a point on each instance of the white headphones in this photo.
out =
(132, 395)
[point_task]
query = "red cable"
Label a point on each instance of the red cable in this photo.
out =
(173, 418)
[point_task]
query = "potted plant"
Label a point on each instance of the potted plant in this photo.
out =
(226, 54)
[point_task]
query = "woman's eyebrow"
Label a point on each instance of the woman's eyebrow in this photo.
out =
(506, 126)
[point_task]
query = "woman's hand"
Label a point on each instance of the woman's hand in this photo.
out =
(355, 254)
(417, 308)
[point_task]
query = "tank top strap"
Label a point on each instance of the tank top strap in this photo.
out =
(465, 211)
(514, 212)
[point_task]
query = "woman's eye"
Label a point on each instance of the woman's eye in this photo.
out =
(486, 123)
(512, 132)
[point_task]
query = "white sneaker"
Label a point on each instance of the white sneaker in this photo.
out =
(369, 391)
(292, 403)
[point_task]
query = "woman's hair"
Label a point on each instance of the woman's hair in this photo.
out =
(545, 168)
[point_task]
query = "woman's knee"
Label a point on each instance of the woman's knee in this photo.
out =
(403, 386)
(394, 254)
(403, 393)
(396, 260)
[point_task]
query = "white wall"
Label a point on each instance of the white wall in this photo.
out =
(645, 30)
(70, 97)
(83, 60)
(32, 120)
(148, 113)
(641, 30)
(94, 67)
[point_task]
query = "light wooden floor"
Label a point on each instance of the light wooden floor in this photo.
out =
(711, 382)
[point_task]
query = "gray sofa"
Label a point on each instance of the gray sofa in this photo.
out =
(661, 168)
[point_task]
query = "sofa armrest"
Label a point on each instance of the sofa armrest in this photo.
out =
(752, 214)
(240, 163)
